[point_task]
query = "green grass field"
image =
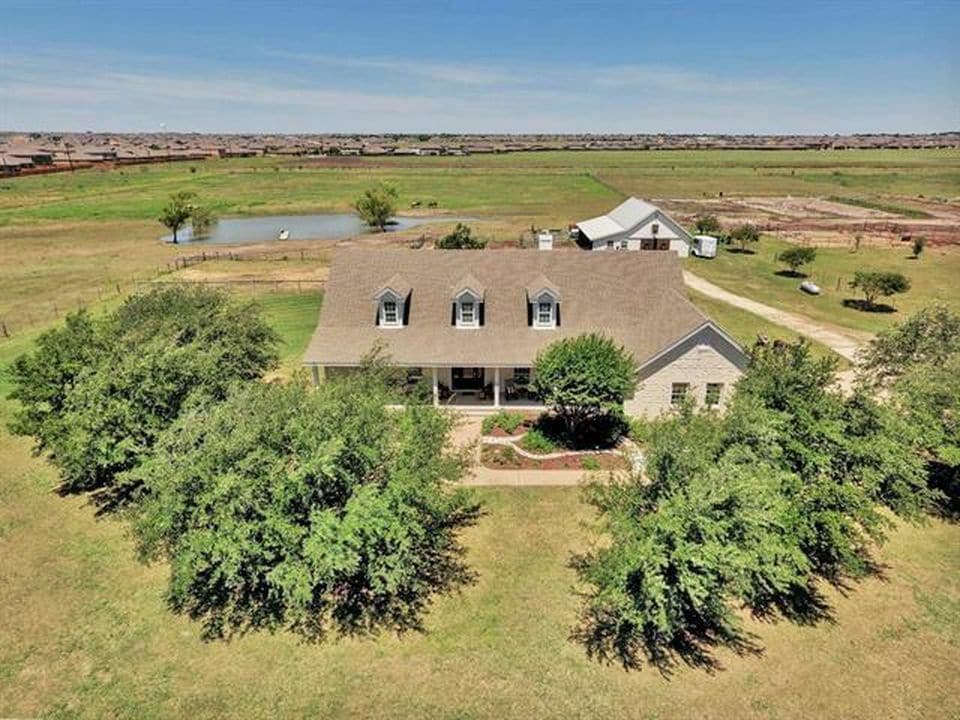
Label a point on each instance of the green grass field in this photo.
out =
(85, 633)
(933, 278)
(69, 238)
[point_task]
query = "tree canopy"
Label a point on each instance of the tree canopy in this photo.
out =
(177, 211)
(462, 238)
(930, 336)
(707, 225)
(877, 284)
(313, 511)
(746, 234)
(377, 205)
(748, 508)
(583, 379)
(796, 257)
(96, 393)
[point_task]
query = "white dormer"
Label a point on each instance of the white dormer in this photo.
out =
(391, 303)
(545, 311)
(468, 308)
(544, 304)
(468, 303)
(391, 311)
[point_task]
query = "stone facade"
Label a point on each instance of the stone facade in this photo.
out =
(706, 357)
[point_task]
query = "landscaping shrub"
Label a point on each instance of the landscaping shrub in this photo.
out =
(535, 441)
(585, 380)
(590, 463)
(507, 421)
(462, 238)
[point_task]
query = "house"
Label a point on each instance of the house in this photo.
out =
(470, 322)
(635, 225)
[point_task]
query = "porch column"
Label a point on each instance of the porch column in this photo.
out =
(436, 387)
(496, 387)
(315, 371)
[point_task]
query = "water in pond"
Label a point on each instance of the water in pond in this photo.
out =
(245, 231)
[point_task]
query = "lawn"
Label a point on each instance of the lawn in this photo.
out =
(294, 317)
(933, 277)
(86, 633)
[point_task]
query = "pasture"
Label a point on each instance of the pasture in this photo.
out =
(73, 238)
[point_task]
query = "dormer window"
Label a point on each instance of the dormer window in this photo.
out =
(468, 303)
(392, 303)
(390, 315)
(468, 313)
(543, 304)
(545, 313)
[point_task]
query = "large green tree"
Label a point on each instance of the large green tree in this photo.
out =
(377, 205)
(585, 380)
(877, 284)
(177, 211)
(749, 508)
(314, 511)
(95, 394)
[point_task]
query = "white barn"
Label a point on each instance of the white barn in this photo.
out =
(635, 225)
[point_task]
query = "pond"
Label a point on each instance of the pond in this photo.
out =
(323, 226)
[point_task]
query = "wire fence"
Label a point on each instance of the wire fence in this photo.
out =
(40, 314)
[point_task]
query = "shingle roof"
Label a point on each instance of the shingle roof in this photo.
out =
(468, 282)
(397, 284)
(635, 298)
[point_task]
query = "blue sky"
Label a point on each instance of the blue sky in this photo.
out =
(697, 66)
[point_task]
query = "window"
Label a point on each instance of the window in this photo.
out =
(468, 313)
(678, 393)
(655, 228)
(521, 376)
(544, 313)
(391, 313)
(712, 397)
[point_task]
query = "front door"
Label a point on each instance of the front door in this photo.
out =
(466, 378)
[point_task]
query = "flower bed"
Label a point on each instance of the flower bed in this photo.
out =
(505, 457)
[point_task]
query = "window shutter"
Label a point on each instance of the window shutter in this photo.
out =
(406, 312)
(453, 313)
(529, 314)
(480, 314)
(556, 310)
(376, 317)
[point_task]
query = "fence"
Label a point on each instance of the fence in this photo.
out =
(41, 314)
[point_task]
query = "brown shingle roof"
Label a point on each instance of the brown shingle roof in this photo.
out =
(636, 298)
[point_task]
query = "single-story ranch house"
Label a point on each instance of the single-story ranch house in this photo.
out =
(471, 322)
(634, 225)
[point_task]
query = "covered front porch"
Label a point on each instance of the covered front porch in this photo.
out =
(482, 388)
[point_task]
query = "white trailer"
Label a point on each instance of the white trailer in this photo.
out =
(705, 246)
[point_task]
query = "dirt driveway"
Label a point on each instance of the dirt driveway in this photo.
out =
(842, 341)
